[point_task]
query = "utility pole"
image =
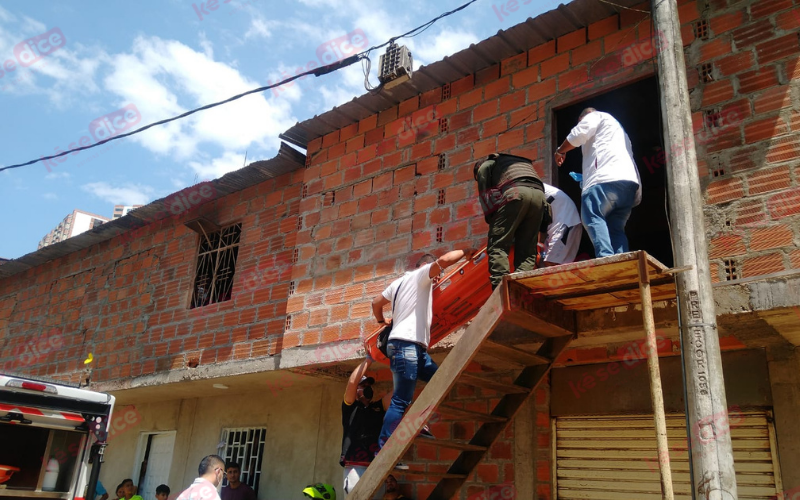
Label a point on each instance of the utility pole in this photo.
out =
(709, 432)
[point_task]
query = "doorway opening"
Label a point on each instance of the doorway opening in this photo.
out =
(153, 461)
(637, 108)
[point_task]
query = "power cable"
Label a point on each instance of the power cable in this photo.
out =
(323, 70)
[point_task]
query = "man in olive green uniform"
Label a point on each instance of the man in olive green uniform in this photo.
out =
(513, 202)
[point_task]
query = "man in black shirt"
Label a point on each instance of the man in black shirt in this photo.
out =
(362, 420)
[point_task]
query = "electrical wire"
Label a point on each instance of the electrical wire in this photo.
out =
(316, 72)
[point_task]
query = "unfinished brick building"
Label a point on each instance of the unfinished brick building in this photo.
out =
(229, 314)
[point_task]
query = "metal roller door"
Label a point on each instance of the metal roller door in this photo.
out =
(615, 457)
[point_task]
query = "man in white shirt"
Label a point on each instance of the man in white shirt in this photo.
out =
(412, 312)
(564, 233)
(211, 471)
(611, 184)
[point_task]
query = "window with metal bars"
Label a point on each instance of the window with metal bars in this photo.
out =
(288, 321)
(295, 255)
(701, 29)
(245, 446)
(216, 265)
(299, 223)
(731, 273)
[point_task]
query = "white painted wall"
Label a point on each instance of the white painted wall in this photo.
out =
(302, 446)
(81, 223)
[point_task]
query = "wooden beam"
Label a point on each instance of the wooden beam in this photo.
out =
(508, 353)
(450, 443)
(536, 314)
(483, 383)
(467, 414)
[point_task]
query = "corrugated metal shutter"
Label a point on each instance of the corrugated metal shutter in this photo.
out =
(615, 457)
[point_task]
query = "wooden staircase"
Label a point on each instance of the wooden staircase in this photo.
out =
(510, 312)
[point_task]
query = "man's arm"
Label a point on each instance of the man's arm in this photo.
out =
(561, 152)
(352, 383)
(579, 134)
(448, 260)
(377, 308)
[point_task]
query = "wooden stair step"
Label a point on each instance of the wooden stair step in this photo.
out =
(513, 354)
(443, 475)
(469, 415)
(450, 443)
(483, 383)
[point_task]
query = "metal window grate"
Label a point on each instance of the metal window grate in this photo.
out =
(444, 126)
(442, 161)
(707, 72)
(731, 273)
(245, 446)
(439, 234)
(440, 199)
(216, 265)
(445, 91)
(701, 29)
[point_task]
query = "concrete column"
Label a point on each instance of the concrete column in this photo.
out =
(525, 450)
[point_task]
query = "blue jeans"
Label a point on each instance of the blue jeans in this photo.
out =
(409, 362)
(605, 209)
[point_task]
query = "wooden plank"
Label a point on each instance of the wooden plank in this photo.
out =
(417, 473)
(518, 356)
(533, 312)
(439, 386)
(461, 414)
(484, 383)
(450, 443)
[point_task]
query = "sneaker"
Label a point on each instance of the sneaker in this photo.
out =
(426, 432)
(401, 466)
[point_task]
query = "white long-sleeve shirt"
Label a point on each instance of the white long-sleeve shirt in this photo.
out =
(606, 149)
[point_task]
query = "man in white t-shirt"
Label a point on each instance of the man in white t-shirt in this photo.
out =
(410, 297)
(564, 233)
(611, 184)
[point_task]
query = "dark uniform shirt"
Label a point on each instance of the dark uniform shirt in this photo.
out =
(361, 427)
(242, 492)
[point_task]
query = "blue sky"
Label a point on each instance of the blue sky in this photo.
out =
(159, 59)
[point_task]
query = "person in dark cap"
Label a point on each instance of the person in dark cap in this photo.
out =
(513, 202)
(362, 418)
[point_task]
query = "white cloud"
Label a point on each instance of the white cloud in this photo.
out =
(50, 196)
(164, 78)
(447, 42)
(57, 175)
(260, 28)
(128, 194)
(217, 167)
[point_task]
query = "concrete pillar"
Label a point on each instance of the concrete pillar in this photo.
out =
(525, 450)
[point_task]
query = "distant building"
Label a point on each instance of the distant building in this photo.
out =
(122, 210)
(73, 224)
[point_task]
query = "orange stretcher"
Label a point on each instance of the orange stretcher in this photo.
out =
(457, 297)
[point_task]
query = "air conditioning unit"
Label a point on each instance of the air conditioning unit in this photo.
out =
(395, 66)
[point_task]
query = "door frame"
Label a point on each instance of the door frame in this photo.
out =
(141, 447)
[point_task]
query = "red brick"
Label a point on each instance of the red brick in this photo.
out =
(487, 75)
(387, 116)
(431, 97)
(485, 111)
(555, 65)
(773, 99)
(367, 124)
(764, 8)
(497, 88)
(513, 64)
(541, 52)
(488, 473)
(715, 48)
(764, 181)
(778, 48)
(715, 92)
(526, 77)
(783, 149)
(765, 129)
(589, 52)
(726, 22)
(421, 150)
(512, 101)
(571, 40)
(572, 78)
(784, 204)
(470, 99)
(604, 27)
(542, 90)
(688, 12)
(751, 33)
(771, 237)
(494, 126)
(408, 106)
(510, 139)
(330, 139)
(761, 265)
(726, 246)
(724, 191)
(465, 84)
(736, 63)
(788, 21)
(794, 261)
(752, 81)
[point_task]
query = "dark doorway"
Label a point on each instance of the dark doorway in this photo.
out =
(637, 108)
